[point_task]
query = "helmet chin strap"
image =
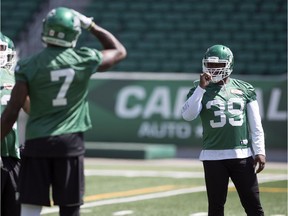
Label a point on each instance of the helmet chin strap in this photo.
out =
(217, 78)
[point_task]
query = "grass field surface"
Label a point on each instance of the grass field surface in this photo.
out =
(173, 187)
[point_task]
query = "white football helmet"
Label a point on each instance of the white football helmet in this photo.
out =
(3, 50)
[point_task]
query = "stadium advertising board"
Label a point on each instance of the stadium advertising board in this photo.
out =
(146, 108)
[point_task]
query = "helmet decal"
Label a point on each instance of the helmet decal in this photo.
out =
(61, 27)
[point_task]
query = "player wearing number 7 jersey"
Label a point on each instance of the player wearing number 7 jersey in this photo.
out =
(56, 80)
(233, 137)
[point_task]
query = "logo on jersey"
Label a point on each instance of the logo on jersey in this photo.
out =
(244, 142)
(236, 91)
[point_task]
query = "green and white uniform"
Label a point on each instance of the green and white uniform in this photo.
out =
(10, 144)
(57, 79)
(223, 112)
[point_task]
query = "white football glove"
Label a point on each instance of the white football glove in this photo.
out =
(85, 21)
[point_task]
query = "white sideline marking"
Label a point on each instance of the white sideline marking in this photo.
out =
(124, 212)
(144, 76)
(144, 173)
(261, 178)
(86, 211)
(172, 174)
(199, 214)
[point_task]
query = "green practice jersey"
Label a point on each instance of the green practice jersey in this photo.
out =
(224, 115)
(58, 85)
(10, 144)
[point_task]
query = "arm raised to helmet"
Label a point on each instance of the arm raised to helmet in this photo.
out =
(113, 50)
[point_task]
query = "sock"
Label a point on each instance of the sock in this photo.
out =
(30, 210)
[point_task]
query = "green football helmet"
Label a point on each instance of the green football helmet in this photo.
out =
(61, 27)
(3, 50)
(218, 61)
(11, 54)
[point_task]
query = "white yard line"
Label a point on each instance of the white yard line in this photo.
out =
(144, 173)
(265, 177)
(121, 213)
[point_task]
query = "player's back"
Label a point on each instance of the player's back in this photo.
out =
(58, 80)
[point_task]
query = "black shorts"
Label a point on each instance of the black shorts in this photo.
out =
(65, 175)
(63, 145)
(9, 180)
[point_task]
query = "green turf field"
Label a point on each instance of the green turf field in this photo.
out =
(167, 188)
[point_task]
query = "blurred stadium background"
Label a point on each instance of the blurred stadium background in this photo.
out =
(165, 40)
(170, 36)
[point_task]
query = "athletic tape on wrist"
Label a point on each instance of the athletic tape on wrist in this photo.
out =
(91, 25)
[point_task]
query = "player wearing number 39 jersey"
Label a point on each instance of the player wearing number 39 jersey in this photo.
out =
(56, 80)
(224, 117)
(233, 137)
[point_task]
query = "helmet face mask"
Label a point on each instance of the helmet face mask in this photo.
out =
(218, 62)
(3, 50)
(11, 55)
(61, 28)
(7, 53)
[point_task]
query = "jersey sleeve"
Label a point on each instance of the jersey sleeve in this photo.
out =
(92, 56)
(250, 93)
(191, 91)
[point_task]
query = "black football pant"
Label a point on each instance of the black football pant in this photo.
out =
(241, 172)
(69, 210)
(9, 180)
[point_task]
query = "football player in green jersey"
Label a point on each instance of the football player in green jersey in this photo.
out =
(233, 137)
(56, 80)
(10, 154)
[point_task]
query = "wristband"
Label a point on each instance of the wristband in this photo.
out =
(91, 25)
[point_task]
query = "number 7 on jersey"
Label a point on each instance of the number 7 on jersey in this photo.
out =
(69, 73)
